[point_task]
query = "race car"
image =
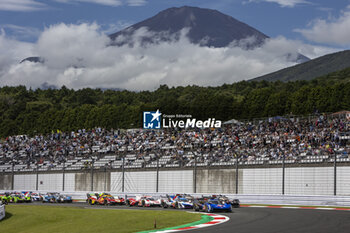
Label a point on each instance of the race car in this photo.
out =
(235, 203)
(132, 200)
(4, 198)
(104, 199)
(183, 202)
(212, 205)
(57, 198)
(36, 196)
(167, 201)
(16, 198)
(148, 201)
(26, 197)
(92, 198)
(108, 199)
(179, 201)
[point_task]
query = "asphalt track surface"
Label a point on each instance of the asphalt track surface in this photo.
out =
(263, 220)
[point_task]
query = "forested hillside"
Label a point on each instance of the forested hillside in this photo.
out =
(27, 111)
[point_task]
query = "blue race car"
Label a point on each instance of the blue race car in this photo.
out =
(57, 198)
(211, 205)
(183, 202)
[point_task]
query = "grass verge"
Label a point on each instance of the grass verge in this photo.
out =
(43, 219)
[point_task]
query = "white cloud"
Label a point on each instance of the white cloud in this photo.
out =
(115, 27)
(78, 56)
(113, 3)
(333, 31)
(282, 3)
(20, 32)
(21, 5)
(100, 2)
(136, 2)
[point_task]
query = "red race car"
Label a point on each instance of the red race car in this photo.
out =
(132, 200)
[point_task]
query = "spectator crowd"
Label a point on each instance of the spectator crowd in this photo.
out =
(272, 138)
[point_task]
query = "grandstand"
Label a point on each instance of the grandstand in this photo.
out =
(270, 141)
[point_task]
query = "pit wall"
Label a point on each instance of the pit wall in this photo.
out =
(255, 181)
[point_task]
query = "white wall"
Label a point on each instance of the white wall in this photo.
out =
(309, 181)
(298, 181)
(69, 182)
(140, 181)
(116, 181)
(25, 182)
(52, 182)
(176, 181)
(261, 181)
(343, 181)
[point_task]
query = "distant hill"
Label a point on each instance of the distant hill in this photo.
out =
(311, 69)
(341, 76)
(208, 27)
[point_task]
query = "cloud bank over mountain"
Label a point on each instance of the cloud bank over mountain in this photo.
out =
(79, 56)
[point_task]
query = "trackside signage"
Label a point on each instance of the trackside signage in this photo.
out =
(157, 120)
(2, 211)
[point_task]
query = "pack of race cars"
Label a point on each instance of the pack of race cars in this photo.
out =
(208, 204)
(26, 197)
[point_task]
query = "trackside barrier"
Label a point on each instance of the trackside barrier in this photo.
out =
(244, 199)
(2, 212)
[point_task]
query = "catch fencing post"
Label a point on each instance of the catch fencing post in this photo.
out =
(157, 181)
(236, 173)
(37, 177)
(92, 175)
(13, 176)
(335, 174)
(195, 173)
(105, 178)
(283, 172)
(123, 171)
(63, 176)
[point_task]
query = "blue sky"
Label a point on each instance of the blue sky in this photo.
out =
(25, 19)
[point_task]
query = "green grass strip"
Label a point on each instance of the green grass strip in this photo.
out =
(205, 219)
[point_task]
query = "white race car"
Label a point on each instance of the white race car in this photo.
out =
(148, 201)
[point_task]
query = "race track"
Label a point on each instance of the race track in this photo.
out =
(265, 220)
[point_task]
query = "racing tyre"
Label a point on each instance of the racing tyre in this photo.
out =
(143, 204)
(105, 202)
(128, 203)
(90, 202)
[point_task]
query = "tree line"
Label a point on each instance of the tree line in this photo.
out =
(28, 111)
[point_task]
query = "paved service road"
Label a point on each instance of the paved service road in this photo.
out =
(269, 220)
